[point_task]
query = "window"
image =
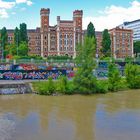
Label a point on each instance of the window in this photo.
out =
(65, 42)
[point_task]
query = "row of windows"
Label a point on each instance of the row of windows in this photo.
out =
(66, 49)
(66, 42)
(122, 46)
(35, 49)
(66, 36)
(37, 37)
(34, 43)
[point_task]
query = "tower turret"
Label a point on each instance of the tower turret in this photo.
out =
(77, 18)
(44, 13)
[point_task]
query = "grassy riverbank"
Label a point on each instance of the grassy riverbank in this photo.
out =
(66, 87)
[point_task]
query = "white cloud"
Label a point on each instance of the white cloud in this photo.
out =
(5, 6)
(113, 15)
(28, 2)
(3, 13)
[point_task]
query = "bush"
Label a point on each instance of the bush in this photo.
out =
(59, 58)
(114, 77)
(132, 73)
(45, 88)
(51, 86)
(70, 88)
(40, 87)
(28, 57)
(62, 84)
(102, 86)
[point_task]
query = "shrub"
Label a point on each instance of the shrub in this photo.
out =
(102, 86)
(51, 86)
(70, 88)
(45, 88)
(62, 84)
(114, 77)
(132, 73)
(40, 87)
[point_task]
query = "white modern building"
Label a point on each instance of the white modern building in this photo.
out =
(135, 26)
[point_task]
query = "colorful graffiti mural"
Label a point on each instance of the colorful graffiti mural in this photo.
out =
(44, 71)
(33, 75)
(6, 66)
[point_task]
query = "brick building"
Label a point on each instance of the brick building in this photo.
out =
(121, 42)
(98, 43)
(60, 39)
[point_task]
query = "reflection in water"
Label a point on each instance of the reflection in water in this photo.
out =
(99, 117)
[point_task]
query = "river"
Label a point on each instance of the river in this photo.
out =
(113, 116)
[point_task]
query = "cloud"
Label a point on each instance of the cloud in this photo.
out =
(6, 5)
(113, 15)
(3, 13)
(28, 2)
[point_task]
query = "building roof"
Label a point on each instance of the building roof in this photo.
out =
(28, 30)
(66, 21)
(120, 29)
(33, 30)
(134, 21)
(10, 31)
(96, 32)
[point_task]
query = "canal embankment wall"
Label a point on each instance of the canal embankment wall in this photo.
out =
(15, 87)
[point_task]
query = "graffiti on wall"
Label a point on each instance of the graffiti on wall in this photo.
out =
(33, 75)
(6, 66)
(33, 71)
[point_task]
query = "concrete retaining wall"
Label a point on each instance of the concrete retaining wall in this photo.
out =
(19, 88)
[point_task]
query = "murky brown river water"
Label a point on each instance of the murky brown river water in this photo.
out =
(101, 117)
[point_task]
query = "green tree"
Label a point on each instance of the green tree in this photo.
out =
(132, 74)
(23, 49)
(137, 47)
(106, 44)
(114, 77)
(10, 49)
(91, 30)
(16, 38)
(4, 40)
(23, 33)
(84, 80)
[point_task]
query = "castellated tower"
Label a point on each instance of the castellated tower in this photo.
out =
(77, 20)
(44, 13)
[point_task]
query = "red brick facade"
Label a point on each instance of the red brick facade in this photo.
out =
(122, 42)
(60, 39)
